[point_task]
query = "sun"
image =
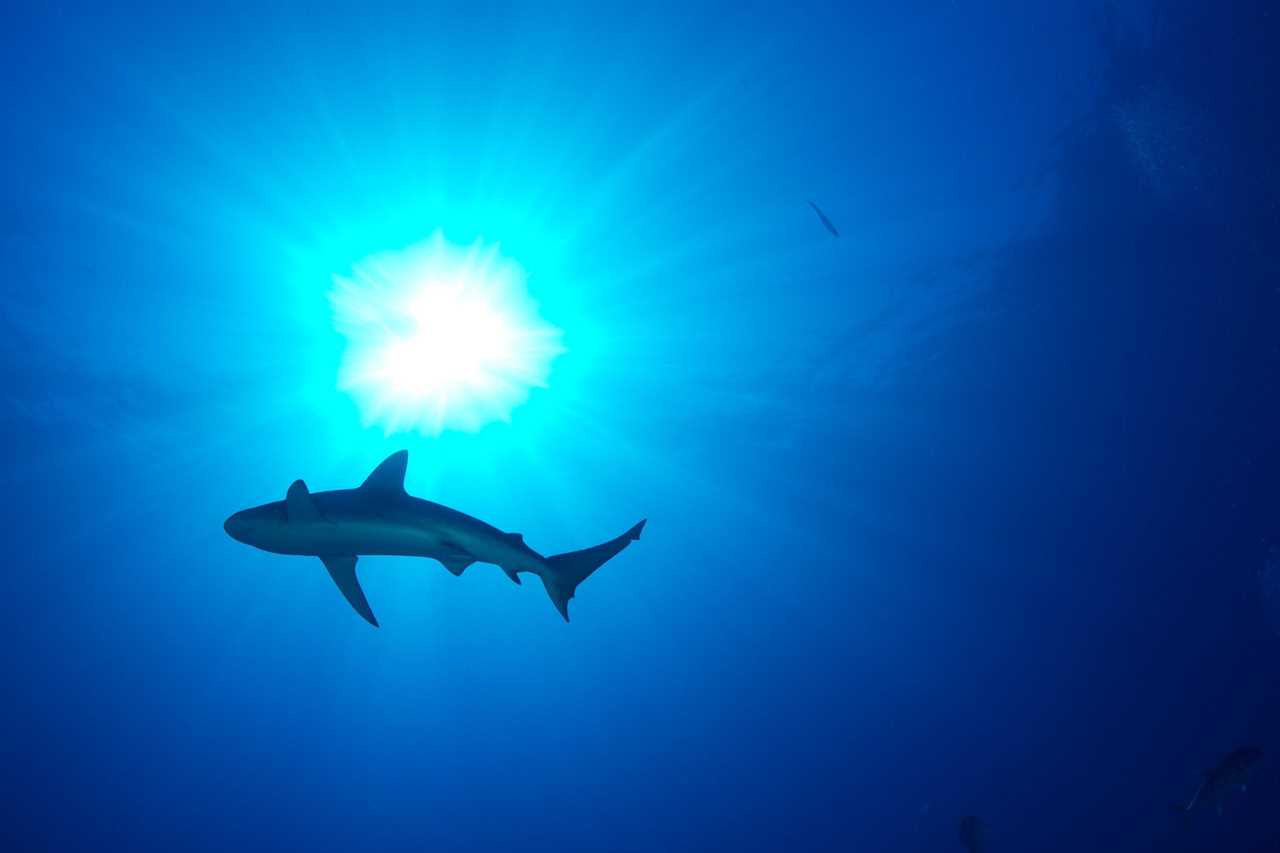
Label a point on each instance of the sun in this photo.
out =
(440, 337)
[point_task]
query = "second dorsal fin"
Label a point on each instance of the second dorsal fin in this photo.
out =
(389, 476)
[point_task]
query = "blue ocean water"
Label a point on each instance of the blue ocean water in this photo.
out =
(961, 512)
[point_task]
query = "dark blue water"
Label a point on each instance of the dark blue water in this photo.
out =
(965, 511)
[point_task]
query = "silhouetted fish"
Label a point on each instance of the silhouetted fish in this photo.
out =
(1231, 772)
(825, 220)
(972, 834)
(380, 517)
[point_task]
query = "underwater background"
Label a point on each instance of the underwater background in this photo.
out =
(970, 510)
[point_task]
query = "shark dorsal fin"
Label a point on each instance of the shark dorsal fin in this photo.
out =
(389, 476)
(298, 505)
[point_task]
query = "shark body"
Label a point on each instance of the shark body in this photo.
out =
(380, 518)
(1231, 772)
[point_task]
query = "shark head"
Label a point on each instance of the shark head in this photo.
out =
(256, 526)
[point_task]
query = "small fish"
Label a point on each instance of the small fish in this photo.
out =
(973, 834)
(825, 220)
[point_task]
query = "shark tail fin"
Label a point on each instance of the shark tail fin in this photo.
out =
(569, 570)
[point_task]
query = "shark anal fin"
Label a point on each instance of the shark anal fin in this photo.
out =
(388, 477)
(343, 571)
(511, 573)
(299, 507)
(456, 565)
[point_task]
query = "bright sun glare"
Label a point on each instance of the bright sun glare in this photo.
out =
(440, 337)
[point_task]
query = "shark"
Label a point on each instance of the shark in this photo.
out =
(381, 518)
(1216, 782)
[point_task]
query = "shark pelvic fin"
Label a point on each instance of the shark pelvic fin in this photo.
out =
(511, 573)
(388, 477)
(298, 505)
(456, 565)
(343, 571)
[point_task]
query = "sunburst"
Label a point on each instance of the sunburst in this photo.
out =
(440, 337)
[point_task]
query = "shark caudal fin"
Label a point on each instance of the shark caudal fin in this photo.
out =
(569, 570)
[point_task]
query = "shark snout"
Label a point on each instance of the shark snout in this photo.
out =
(235, 527)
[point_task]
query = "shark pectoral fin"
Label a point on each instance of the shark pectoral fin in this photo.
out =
(343, 571)
(511, 573)
(456, 565)
(299, 505)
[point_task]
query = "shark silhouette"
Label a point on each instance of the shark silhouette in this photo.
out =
(973, 834)
(381, 518)
(1216, 782)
